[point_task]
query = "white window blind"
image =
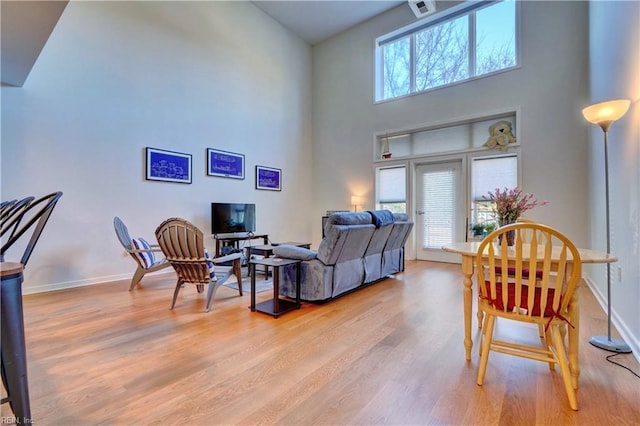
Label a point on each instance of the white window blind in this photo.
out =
(438, 206)
(392, 185)
(491, 173)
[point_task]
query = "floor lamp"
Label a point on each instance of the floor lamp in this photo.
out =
(604, 115)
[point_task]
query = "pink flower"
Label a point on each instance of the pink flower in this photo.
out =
(510, 204)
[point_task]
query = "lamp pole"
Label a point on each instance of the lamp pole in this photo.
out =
(606, 184)
(606, 342)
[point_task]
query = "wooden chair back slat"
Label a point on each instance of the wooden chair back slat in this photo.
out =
(532, 256)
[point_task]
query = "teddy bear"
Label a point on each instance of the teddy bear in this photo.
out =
(500, 135)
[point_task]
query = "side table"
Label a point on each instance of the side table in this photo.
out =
(276, 306)
(14, 353)
(265, 250)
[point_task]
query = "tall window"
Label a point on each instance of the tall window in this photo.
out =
(392, 189)
(487, 174)
(473, 39)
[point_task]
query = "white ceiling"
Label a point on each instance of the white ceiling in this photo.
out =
(316, 21)
(26, 25)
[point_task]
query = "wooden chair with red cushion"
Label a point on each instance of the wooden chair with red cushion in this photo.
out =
(525, 298)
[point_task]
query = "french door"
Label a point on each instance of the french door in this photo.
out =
(440, 209)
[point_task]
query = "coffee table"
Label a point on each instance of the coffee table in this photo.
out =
(276, 306)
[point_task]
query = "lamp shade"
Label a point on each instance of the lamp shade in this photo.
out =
(356, 200)
(606, 112)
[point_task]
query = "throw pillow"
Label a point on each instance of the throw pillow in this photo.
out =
(210, 265)
(294, 252)
(146, 257)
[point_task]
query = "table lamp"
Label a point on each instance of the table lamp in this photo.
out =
(604, 114)
(355, 202)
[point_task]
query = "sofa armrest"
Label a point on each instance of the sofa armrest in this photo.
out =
(294, 252)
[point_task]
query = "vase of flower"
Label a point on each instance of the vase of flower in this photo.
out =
(511, 235)
(509, 205)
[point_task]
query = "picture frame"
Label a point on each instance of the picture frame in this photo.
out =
(225, 164)
(268, 178)
(168, 166)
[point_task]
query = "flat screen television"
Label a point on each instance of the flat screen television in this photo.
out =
(231, 218)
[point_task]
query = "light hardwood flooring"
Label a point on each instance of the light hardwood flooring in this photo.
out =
(389, 354)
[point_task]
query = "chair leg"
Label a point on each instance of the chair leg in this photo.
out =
(175, 293)
(489, 322)
(482, 337)
(561, 355)
(211, 294)
(548, 341)
(137, 277)
(237, 271)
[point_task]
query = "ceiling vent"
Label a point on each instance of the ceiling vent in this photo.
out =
(422, 8)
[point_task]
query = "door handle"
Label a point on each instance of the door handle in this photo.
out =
(420, 212)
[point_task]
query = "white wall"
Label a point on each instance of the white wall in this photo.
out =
(615, 73)
(548, 91)
(116, 77)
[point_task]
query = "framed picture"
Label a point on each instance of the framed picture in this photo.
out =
(268, 178)
(168, 166)
(225, 164)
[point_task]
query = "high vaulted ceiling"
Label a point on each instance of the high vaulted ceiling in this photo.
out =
(26, 25)
(316, 21)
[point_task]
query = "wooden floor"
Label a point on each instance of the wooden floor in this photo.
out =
(389, 354)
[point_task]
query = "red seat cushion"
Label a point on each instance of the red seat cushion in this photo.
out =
(511, 300)
(525, 272)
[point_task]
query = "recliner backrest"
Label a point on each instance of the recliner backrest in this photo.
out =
(383, 221)
(345, 229)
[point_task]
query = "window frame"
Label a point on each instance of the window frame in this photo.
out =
(463, 9)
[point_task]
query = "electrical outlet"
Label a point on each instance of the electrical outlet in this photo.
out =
(620, 274)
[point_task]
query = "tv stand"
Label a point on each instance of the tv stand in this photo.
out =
(234, 241)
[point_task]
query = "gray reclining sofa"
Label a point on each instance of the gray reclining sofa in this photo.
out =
(358, 249)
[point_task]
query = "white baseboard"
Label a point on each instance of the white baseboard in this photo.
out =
(83, 283)
(620, 325)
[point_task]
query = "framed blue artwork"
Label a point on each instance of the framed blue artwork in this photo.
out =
(225, 164)
(268, 178)
(168, 166)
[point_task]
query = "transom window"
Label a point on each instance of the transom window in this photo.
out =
(464, 42)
